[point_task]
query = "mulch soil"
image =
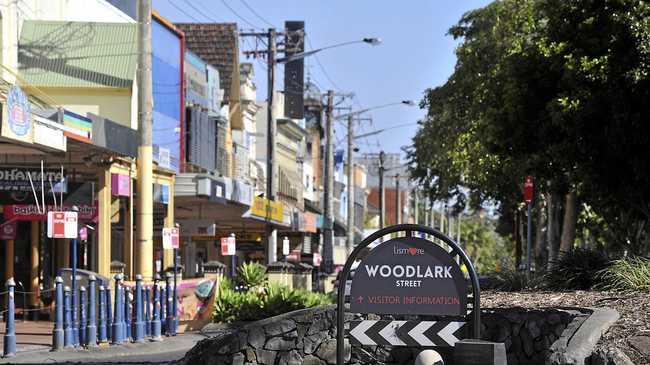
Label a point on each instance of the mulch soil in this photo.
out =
(634, 309)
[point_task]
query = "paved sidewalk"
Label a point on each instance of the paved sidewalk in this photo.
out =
(170, 349)
(30, 335)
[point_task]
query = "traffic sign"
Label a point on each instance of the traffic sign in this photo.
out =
(171, 238)
(529, 189)
(285, 246)
(406, 333)
(62, 224)
(317, 259)
(228, 246)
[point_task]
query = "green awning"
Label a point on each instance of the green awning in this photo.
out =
(78, 54)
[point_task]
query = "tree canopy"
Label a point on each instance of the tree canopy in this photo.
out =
(558, 89)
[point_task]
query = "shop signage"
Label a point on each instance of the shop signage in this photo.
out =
(62, 224)
(80, 127)
(260, 206)
(228, 246)
(317, 259)
(241, 192)
(309, 222)
(49, 137)
(27, 212)
(16, 117)
(120, 185)
(171, 238)
(8, 230)
(83, 234)
(17, 179)
(409, 275)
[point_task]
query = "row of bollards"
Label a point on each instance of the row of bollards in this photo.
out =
(139, 313)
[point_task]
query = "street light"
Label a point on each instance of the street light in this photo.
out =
(361, 111)
(301, 55)
(382, 130)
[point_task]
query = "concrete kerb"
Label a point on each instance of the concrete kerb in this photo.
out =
(579, 340)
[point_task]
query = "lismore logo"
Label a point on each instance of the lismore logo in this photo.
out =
(413, 251)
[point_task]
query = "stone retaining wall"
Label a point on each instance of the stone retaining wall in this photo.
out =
(309, 337)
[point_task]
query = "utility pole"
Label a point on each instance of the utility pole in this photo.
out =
(328, 233)
(416, 213)
(350, 173)
(271, 234)
(398, 198)
(144, 219)
(382, 204)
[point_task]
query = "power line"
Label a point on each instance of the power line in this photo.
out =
(256, 14)
(171, 2)
(239, 16)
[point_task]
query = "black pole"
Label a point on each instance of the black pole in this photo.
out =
(529, 239)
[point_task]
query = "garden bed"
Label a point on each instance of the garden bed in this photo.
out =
(627, 333)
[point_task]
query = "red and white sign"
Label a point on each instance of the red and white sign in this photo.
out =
(62, 224)
(28, 212)
(294, 256)
(317, 259)
(529, 189)
(171, 238)
(228, 246)
(8, 231)
(285, 246)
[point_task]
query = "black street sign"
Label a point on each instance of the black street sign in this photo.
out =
(406, 333)
(409, 275)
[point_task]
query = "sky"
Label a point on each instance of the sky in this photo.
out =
(416, 53)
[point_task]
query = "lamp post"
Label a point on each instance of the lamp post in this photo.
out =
(270, 54)
(350, 170)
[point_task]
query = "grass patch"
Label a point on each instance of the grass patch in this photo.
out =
(628, 274)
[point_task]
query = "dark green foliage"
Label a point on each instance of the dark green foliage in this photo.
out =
(262, 302)
(510, 279)
(251, 274)
(575, 270)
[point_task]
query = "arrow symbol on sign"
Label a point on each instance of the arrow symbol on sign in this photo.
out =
(359, 332)
(360, 300)
(389, 333)
(417, 333)
(447, 333)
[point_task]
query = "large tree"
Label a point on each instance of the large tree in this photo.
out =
(558, 89)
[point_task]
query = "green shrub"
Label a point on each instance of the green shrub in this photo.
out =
(629, 274)
(575, 270)
(511, 279)
(272, 300)
(251, 274)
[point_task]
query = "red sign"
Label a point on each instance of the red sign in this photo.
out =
(294, 256)
(529, 189)
(317, 259)
(171, 238)
(29, 212)
(62, 224)
(228, 247)
(8, 231)
(83, 234)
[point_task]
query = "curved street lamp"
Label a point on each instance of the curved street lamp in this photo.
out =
(301, 55)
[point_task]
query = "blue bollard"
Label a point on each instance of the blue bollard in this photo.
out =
(116, 329)
(128, 315)
(101, 329)
(109, 312)
(83, 318)
(147, 311)
(57, 333)
(91, 328)
(9, 348)
(139, 306)
(162, 299)
(169, 321)
(68, 341)
(155, 319)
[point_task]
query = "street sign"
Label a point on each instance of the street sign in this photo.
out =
(228, 246)
(406, 333)
(409, 275)
(8, 231)
(171, 238)
(529, 189)
(62, 224)
(285, 246)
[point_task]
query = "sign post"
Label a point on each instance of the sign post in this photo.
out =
(228, 248)
(408, 276)
(529, 189)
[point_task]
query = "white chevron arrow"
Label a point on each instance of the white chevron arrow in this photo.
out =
(417, 333)
(447, 333)
(359, 332)
(390, 333)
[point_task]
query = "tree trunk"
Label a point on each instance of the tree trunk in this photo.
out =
(553, 226)
(517, 234)
(569, 223)
(541, 249)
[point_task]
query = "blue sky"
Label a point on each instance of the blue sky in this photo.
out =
(415, 54)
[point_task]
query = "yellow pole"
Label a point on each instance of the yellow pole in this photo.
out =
(168, 255)
(104, 224)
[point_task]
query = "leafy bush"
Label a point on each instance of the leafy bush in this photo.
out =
(271, 300)
(629, 274)
(511, 279)
(575, 270)
(251, 274)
